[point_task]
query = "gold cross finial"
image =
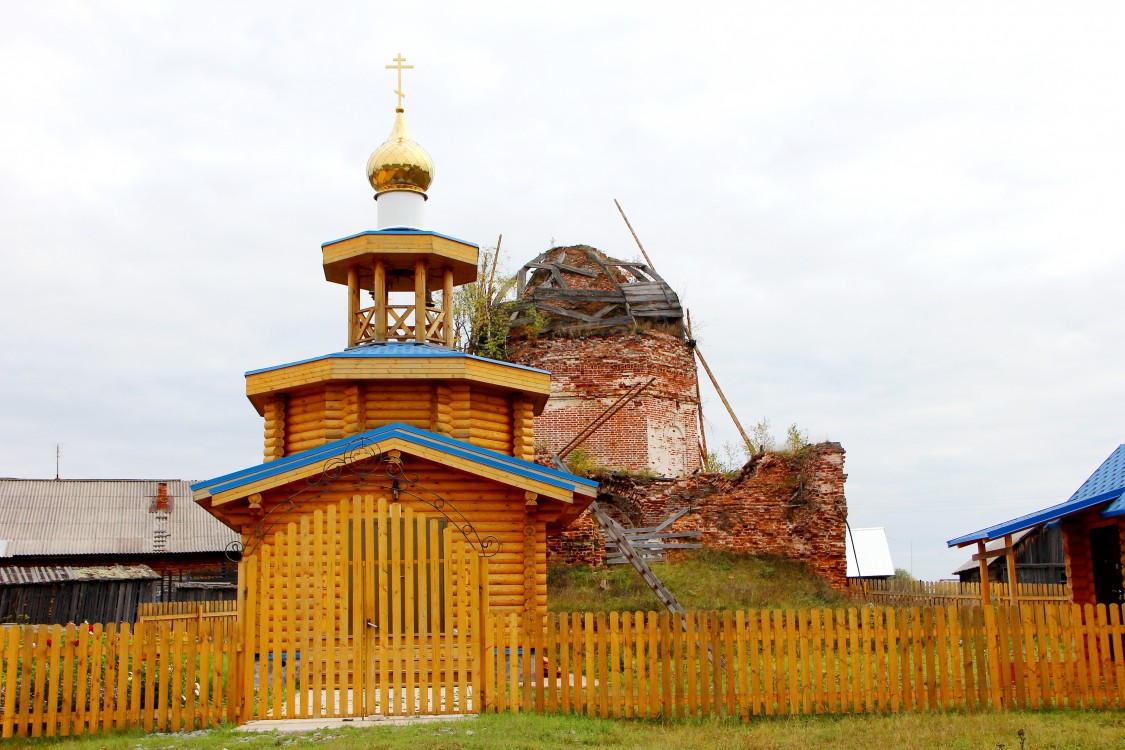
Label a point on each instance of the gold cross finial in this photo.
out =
(399, 67)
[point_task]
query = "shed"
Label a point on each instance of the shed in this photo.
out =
(868, 554)
(108, 523)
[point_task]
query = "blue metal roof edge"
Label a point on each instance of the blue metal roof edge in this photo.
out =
(483, 456)
(1036, 518)
(400, 231)
(367, 350)
(1116, 508)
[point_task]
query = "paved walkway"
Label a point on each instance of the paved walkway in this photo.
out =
(309, 725)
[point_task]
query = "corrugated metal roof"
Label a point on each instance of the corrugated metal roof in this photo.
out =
(1105, 485)
(14, 575)
(104, 517)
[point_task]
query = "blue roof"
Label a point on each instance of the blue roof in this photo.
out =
(396, 350)
(400, 231)
(424, 438)
(1105, 485)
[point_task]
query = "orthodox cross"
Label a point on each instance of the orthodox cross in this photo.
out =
(399, 67)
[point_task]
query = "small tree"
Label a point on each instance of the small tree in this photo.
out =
(482, 309)
(796, 438)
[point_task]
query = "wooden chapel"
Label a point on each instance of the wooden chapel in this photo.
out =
(390, 468)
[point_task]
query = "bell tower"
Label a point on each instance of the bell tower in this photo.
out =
(401, 264)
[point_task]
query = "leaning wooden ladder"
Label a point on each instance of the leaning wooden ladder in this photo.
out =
(609, 528)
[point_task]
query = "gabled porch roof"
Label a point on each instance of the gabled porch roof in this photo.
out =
(1106, 486)
(514, 472)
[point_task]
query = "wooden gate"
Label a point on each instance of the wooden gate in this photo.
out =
(361, 609)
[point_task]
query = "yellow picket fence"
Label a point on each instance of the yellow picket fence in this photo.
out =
(69, 680)
(153, 610)
(859, 660)
(892, 592)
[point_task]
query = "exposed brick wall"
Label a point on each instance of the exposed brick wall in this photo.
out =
(657, 431)
(791, 506)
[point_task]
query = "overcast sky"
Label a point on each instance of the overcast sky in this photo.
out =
(898, 225)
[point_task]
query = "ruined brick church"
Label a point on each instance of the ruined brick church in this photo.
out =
(612, 335)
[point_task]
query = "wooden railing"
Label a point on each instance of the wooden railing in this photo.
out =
(939, 593)
(401, 324)
(68, 680)
(860, 660)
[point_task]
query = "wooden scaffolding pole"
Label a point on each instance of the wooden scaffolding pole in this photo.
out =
(726, 403)
(635, 237)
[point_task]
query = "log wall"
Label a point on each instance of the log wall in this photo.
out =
(518, 571)
(316, 415)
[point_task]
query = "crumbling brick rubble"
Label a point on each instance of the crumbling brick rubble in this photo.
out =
(792, 506)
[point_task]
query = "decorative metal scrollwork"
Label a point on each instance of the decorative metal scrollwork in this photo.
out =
(233, 551)
(367, 466)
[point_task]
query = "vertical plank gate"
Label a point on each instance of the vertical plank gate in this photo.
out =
(359, 609)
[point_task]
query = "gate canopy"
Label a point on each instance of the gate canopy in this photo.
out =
(546, 483)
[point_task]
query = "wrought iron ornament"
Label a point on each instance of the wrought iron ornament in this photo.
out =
(366, 466)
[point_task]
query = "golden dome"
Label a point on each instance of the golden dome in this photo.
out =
(400, 163)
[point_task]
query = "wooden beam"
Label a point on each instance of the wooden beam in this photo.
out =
(726, 403)
(993, 553)
(447, 305)
(985, 595)
(635, 237)
(379, 291)
(420, 301)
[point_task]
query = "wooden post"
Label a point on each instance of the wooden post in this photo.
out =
(379, 291)
(1013, 595)
(985, 595)
(726, 403)
(237, 701)
(420, 301)
(447, 304)
(353, 305)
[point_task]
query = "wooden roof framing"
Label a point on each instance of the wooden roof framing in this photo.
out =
(601, 292)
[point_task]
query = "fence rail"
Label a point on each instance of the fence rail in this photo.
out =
(862, 660)
(941, 593)
(68, 680)
(162, 609)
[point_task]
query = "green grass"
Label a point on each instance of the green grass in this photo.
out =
(703, 580)
(1075, 730)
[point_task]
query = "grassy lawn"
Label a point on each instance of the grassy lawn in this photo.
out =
(703, 580)
(1074, 730)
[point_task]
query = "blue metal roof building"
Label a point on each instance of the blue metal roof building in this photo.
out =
(1093, 523)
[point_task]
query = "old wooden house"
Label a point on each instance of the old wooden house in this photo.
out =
(1091, 524)
(92, 549)
(1039, 558)
(397, 499)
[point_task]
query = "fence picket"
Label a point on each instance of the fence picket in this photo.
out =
(168, 674)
